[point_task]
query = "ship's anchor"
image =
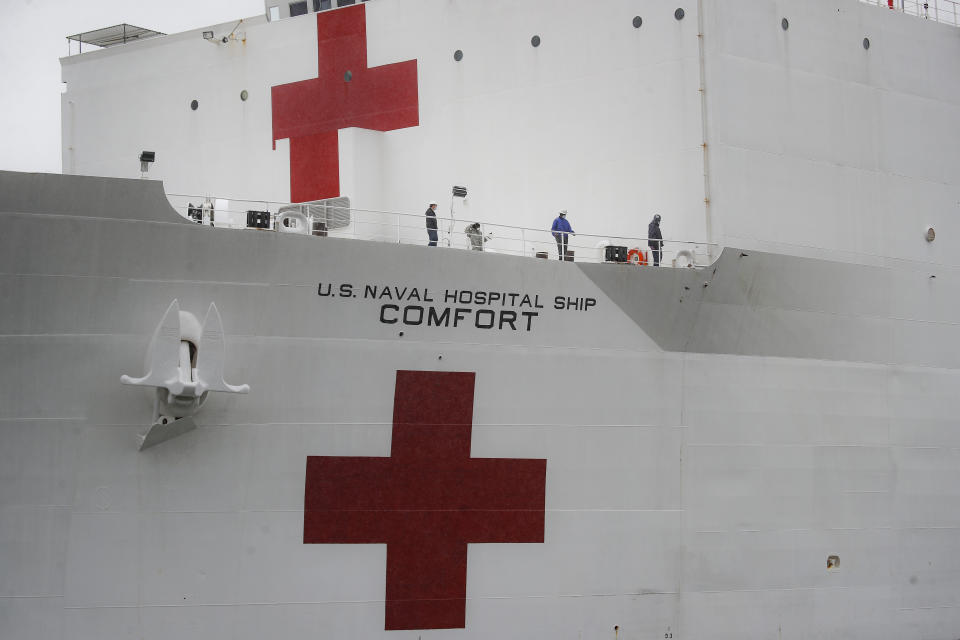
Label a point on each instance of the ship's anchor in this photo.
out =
(184, 363)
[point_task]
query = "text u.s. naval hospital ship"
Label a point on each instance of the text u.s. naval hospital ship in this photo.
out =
(313, 425)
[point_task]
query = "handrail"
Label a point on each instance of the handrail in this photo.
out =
(410, 228)
(942, 11)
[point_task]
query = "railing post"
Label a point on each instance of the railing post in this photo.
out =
(523, 242)
(397, 216)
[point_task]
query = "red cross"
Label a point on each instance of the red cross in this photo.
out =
(310, 112)
(427, 501)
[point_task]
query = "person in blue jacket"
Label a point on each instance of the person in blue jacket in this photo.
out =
(560, 230)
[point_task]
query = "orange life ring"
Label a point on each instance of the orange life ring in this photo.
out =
(635, 256)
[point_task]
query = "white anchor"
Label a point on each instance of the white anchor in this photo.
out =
(184, 362)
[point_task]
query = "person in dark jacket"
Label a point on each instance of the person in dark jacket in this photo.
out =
(560, 230)
(655, 240)
(431, 215)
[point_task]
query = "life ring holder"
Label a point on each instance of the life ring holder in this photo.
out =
(636, 256)
(293, 222)
(687, 255)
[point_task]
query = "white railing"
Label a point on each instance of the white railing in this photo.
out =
(945, 11)
(410, 228)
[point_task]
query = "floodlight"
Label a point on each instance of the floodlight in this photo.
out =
(146, 157)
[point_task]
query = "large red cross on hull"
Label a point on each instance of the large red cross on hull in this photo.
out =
(427, 501)
(310, 112)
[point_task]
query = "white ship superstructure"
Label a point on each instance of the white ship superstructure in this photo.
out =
(343, 437)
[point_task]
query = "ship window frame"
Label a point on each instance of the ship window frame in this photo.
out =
(296, 6)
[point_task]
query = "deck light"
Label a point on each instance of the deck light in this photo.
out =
(146, 157)
(458, 192)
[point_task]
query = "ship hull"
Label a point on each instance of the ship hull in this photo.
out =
(689, 489)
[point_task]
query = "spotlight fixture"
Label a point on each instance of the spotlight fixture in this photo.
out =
(146, 157)
(458, 192)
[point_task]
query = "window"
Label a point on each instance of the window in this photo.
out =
(273, 14)
(298, 8)
(343, 3)
(321, 5)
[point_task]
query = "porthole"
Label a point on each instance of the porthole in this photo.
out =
(866, 43)
(348, 76)
(535, 41)
(194, 105)
(784, 24)
(244, 95)
(637, 22)
(458, 55)
(679, 14)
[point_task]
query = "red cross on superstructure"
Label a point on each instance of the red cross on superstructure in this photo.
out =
(427, 501)
(344, 94)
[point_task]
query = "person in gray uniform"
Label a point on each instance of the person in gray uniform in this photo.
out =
(476, 236)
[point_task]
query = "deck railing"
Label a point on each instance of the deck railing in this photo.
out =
(944, 11)
(410, 228)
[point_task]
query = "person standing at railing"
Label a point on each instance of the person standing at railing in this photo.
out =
(561, 227)
(431, 215)
(655, 240)
(476, 236)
